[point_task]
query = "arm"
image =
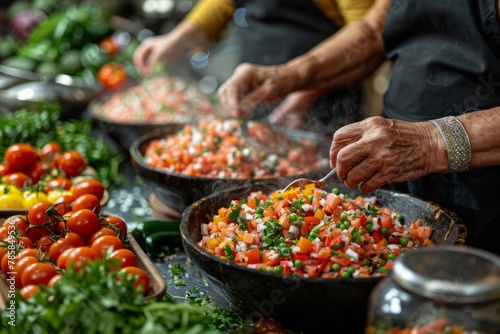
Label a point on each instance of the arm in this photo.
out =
(378, 151)
(346, 57)
(199, 29)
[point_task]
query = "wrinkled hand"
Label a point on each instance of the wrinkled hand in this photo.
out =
(377, 151)
(154, 50)
(292, 112)
(252, 85)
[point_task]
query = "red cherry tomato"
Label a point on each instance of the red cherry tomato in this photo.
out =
(29, 291)
(61, 183)
(80, 256)
(115, 223)
(83, 222)
(125, 257)
(102, 244)
(93, 187)
(140, 276)
(87, 201)
(17, 179)
(71, 240)
(38, 273)
(72, 163)
(50, 150)
(20, 156)
(112, 75)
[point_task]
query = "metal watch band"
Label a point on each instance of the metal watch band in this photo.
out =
(457, 143)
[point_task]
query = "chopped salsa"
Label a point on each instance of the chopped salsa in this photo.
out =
(216, 149)
(156, 100)
(312, 233)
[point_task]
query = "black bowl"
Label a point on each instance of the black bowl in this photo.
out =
(178, 191)
(309, 305)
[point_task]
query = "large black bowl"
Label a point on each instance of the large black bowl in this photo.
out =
(309, 305)
(178, 191)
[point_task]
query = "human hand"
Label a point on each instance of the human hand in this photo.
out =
(252, 85)
(292, 112)
(154, 50)
(377, 151)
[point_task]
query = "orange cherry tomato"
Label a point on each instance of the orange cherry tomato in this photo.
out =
(112, 75)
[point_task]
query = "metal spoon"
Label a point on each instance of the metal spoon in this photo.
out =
(301, 183)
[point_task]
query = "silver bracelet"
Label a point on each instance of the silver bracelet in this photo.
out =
(457, 143)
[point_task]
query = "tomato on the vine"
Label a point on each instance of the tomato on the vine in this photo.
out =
(29, 291)
(17, 178)
(60, 182)
(103, 231)
(71, 240)
(93, 187)
(50, 150)
(38, 273)
(87, 201)
(20, 156)
(103, 243)
(83, 222)
(125, 257)
(54, 280)
(140, 276)
(20, 266)
(71, 162)
(116, 223)
(80, 256)
(37, 171)
(112, 75)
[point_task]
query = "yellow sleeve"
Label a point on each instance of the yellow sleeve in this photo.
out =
(353, 10)
(212, 16)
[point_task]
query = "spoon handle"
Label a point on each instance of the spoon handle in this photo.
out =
(328, 176)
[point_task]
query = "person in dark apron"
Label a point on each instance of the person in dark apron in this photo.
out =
(442, 68)
(279, 30)
(446, 62)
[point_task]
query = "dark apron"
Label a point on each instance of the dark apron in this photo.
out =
(279, 30)
(446, 61)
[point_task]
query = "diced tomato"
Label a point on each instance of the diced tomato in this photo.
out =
(253, 255)
(377, 236)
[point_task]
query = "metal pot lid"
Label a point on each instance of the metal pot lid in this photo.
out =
(450, 274)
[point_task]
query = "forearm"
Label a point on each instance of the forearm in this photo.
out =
(352, 53)
(482, 129)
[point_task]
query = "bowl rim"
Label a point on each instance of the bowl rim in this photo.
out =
(186, 238)
(137, 157)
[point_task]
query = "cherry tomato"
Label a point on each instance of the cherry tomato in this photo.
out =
(71, 240)
(79, 257)
(64, 203)
(50, 150)
(83, 222)
(61, 183)
(5, 169)
(125, 257)
(27, 252)
(29, 291)
(115, 223)
(54, 280)
(38, 273)
(112, 75)
(140, 276)
(61, 259)
(37, 171)
(103, 231)
(102, 244)
(44, 242)
(20, 266)
(109, 46)
(42, 218)
(17, 178)
(93, 187)
(20, 156)
(72, 163)
(87, 201)
(5, 263)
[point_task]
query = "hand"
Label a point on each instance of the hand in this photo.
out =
(252, 85)
(293, 111)
(154, 50)
(377, 151)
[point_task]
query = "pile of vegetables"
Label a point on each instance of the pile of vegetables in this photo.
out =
(41, 127)
(74, 38)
